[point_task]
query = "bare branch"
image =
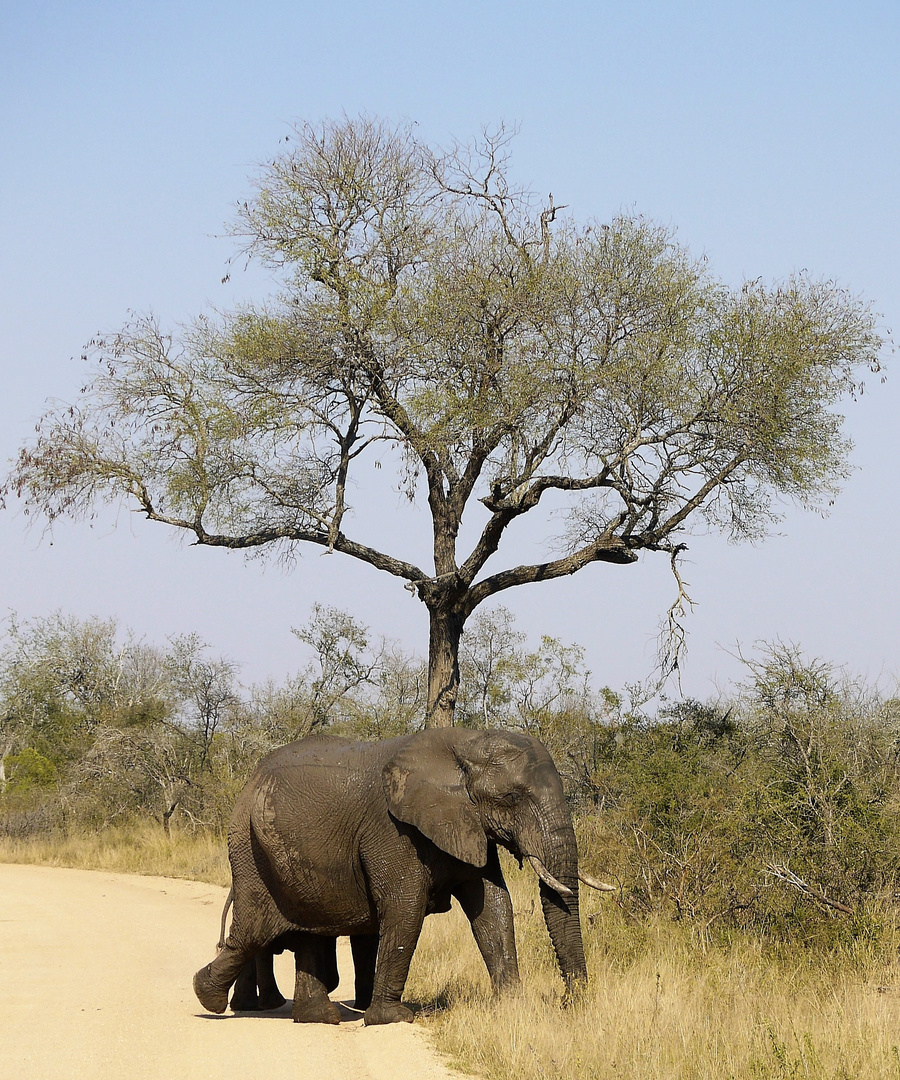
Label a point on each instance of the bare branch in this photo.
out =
(781, 872)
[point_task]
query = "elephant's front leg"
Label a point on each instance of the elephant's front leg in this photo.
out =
(365, 953)
(311, 1002)
(400, 929)
(270, 997)
(489, 909)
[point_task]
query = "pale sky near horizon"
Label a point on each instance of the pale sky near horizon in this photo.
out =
(767, 134)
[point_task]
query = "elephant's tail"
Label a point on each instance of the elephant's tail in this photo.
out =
(229, 900)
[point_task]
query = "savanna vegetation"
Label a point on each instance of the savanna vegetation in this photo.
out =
(755, 839)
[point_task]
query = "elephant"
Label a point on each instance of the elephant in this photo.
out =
(256, 989)
(332, 837)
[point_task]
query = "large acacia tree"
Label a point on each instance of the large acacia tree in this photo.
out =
(506, 349)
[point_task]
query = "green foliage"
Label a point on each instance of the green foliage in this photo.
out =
(117, 727)
(28, 769)
(778, 810)
(98, 729)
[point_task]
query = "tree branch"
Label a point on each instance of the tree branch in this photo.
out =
(607, 548)
(507, 509)
(395, 567)
(782, 873)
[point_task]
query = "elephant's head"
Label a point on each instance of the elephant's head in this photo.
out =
(464, 788)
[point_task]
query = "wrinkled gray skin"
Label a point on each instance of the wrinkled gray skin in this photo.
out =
(256, 990)
(331, 837)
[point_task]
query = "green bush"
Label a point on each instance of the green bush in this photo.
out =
(29, 769)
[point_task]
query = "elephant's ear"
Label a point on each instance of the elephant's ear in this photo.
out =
(425, 787)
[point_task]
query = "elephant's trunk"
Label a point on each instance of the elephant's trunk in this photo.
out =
(564, 926)
(554, 857)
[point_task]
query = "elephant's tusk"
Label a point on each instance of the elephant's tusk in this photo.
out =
(593, 883)
(548, 879)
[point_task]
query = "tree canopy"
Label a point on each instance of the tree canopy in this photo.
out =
(507, 349)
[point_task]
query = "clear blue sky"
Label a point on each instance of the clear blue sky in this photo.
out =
(768, 134)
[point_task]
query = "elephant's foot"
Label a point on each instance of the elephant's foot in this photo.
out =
(211, 996)
(269, 1000)
(387, 1012)
(243, 1001)
(507, 986)
(311, 1003)
(315, 1011)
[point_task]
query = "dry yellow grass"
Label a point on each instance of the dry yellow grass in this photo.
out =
(660, 1004)
(133, 849)
(666, 1009)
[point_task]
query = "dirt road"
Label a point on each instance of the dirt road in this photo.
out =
(95, 982)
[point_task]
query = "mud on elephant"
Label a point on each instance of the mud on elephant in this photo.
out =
(332, 837)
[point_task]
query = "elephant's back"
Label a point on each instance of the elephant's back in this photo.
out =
(330, 751)
(313, 785)
(308, 805)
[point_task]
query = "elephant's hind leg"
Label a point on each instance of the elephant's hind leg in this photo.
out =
(270, 997)
(237, 961)
(255, 989)
(245, 998)
(212, 983)
(327, 968)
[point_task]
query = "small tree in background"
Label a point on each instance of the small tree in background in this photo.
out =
(429, 305)
(61, 677)
(108, 726)
(828, 745)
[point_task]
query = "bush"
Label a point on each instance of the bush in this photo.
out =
(28, 769)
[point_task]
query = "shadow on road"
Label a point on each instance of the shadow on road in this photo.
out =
(283, 1012)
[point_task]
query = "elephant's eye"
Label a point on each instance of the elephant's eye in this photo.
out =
(511, 798)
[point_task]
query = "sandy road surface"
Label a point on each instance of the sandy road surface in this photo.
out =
(95, 981)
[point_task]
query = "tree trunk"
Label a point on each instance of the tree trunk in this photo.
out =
(446, 628)
(3, 756)
(167, 815)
